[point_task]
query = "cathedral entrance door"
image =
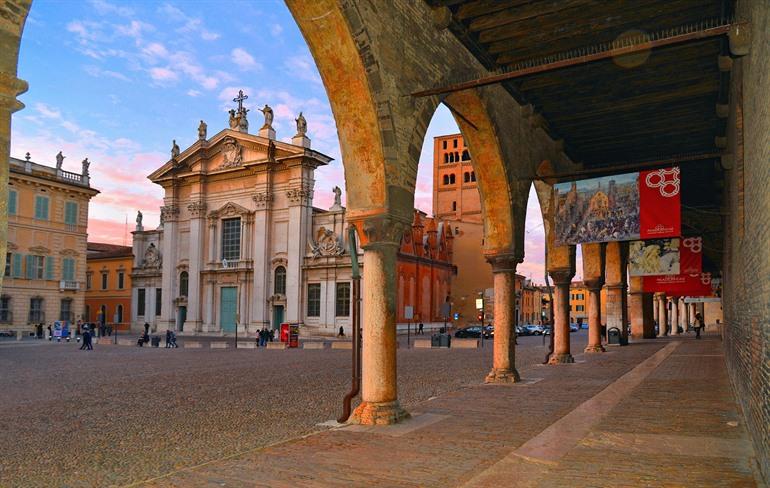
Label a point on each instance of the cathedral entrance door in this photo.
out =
(181, 317)
(228, 308)
(277, 316)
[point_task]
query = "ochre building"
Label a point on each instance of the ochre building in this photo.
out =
(108, 285)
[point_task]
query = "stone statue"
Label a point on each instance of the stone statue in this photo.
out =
(301, 125)
(202, 129)
(268, 116)
(234, 122)
(337, 196)
(86, 164)
(243, 123)
(59, 160)
(174, 149)
(139, 219)
(271, 151)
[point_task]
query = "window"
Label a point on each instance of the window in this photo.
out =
(279, 284)
(466, 155)
(36, 310)
(457, 156)
(580, 308)
(454, 206)
(446, 158)
(88, 313)
(314, 299)
(41, 207)
(8, 264)
(473, 176)
(104, 280)
(452, 179)
(446, 179)
(68, 269)
(89, 279)
(444, 144)
(119, 314)
(140, 296)
(12, 199)
(65, 309)
(342, 308)
(17, 266)
(454, 143)
(121, 280)
(5, 310)
(158, 297)
(35, 267)
(466, 177)
(184, 281)
(231, 239)
(71, 213)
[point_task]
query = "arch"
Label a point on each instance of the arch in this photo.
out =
(466, 155)
(279, 280)
(446, 179)
(119, 314)
(446, 157)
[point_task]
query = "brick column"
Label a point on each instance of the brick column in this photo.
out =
(616, 285)
(674, 315)
(381, 237)
(593, 277)
(561, 340)
(504, 280)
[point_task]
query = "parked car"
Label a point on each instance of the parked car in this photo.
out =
(574, 327)
(489, 331)
(520, 330)
(547, 330)
(534, 329)
(473, 332)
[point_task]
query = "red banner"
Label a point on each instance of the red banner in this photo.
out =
(691, 281)
(659, 203)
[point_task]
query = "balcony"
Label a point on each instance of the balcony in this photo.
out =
(69, 285)
(233, 264)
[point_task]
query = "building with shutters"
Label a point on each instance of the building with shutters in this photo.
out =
(45, 269)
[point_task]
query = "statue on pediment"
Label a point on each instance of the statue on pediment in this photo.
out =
(202, 130)
(59, 160)
(301, 125)
(268, 116)
(175, 151)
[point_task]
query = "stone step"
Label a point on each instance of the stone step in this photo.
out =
(220, 345)
(127, 342)
(342, 345)
(277, 345)
(313, 345)
(192, 345)
(464, 343)
(422, 344)
(247, 345)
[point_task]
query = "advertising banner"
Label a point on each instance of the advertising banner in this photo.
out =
(654, 257)
(624, 207)
(691, 281)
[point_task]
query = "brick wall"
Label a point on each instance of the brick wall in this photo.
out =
(746, 264)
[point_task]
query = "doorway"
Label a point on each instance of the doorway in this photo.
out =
(277, 316)
(180, 318)
(228, 308)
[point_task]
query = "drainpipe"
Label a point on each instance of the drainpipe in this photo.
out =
(356, 360)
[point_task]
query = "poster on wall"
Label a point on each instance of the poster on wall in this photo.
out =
(691, 281)
(625, 207)
(654, 257)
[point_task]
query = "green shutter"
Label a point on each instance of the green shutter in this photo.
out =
(70, 213)
(68, 269)
(17, 265)
(49, 268)
(41, 208)
(30, 267)
(12, 202)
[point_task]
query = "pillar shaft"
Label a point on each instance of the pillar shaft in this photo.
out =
(662, 316)
(561, 309)
(594, 320)
(675, 315)
(504, 282)
(616, 285)
(593, 277)
(641, 310)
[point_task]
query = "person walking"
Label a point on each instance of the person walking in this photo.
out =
(419, 329)
(50, 334)
(168, 338)
(701, 324)
(86, 336)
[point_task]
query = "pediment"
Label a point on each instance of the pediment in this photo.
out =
(229, 209)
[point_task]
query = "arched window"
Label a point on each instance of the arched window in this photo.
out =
(466, 177)
(466, 155)
(279, 286)
(119, 313)
(452, 179)
(457, 156)
(102, 319)
(446, 158)
(184, 280)
(446, 179)
(473, 176)
(451, 157)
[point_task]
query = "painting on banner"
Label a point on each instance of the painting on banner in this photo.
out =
(691, 281)
(654, 257)
(625, 207)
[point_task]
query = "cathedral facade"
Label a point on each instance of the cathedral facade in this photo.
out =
(240, 245)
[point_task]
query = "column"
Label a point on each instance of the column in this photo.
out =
(561, 335)
(381, 237)
(648, 312)
(169, 216)
(674, 315)
(685, 315)
(299, 205)
(504, 282)
(641, 305)
(194, 290)
(692, 314)
(212, 240)
(593, 277)
(655, 306)
(616, 285)
(208, 307)
(243, 311)
(663, 330)
(261, 269)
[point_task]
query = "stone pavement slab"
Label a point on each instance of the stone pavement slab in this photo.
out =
(655, 413)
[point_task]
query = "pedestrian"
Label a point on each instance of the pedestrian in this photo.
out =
(419, 329)
(271, 335)
(262, 337)
(86, 336)
(50, 334)
(701, 325)
(146, 328)
(90, 342)
(342, 332)
(39, 331)
(168, 338)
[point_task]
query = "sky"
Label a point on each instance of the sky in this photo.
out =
(118, 81)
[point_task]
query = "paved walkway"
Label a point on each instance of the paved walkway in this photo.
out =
(655, 413)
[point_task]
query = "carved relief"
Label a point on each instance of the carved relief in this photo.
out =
(152, 257)
(382, 229)
(231, 153)
(39, 250)
(197, 209)
(326, 243)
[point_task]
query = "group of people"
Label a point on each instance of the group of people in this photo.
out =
(264, 336)
(145, 338)
(88, 343)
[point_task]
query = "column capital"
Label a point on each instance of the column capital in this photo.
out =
(382, 229)
(169, 213)
(505, 262)
(197, 209)
(594, 285)
(562, 276)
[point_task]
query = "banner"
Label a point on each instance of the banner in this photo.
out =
(624, 207)
(691, 281)
(654, 257)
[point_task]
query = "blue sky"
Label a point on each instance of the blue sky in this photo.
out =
(116, 82)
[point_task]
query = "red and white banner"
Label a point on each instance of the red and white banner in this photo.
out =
(691, 281)
(659, 203)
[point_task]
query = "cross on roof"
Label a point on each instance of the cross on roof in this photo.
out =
(240, 98)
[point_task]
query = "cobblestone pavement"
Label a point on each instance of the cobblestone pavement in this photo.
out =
(120, 414)
(658, 413)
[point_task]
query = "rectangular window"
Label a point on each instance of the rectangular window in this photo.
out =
(342, 308)
(65, 310)
(121, 278)
(454, 142)
(89, 279)
(231, 239)
(13, 197)
(68, 269)
(158, 296)
(8, 264)
(41, 207)
(70, 213)
(581, 308)
(35, 267)
(36, 310)
(444, 144)
(5, 310)
(140, 301)
(314, 300)
(104, 281)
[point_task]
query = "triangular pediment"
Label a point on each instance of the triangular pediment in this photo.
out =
(229, 209)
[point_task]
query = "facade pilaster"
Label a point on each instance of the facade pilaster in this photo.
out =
(299, 203)
(195, 290)
(504, 282)
(381, 238)
(662, 315)
(169, 216)
(261, 238)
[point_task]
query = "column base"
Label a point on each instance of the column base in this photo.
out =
(503, 376)
(593, 349)
(378, 413)
(561, 359)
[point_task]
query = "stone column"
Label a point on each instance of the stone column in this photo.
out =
(685, 315)
(381, 238)
(593, 277)
(641, 304)
(261, 266)
(616, 285)
(194, 289)
(655, 306)
(561, 335)
(299, 202)
(662, 315)
(693, 311)
(504, 282)
(674, 315)
(212, 239)
(169, 216)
